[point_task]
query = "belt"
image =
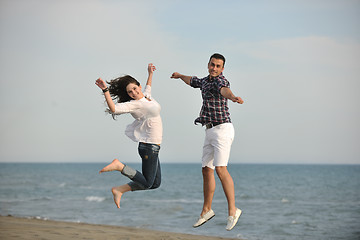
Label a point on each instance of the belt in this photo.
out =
(211, 125)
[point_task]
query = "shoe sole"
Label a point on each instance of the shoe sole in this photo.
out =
(205, 221)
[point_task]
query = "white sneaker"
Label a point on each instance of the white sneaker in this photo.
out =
(232, 220)
(204, 218)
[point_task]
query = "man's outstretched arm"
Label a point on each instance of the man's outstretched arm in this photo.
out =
(227, 93)
(186, 79)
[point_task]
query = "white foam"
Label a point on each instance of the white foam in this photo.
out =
(94, 199)
(40, 218)
(284, 200)
(179, 200)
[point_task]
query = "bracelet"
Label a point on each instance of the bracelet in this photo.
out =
(105, 90)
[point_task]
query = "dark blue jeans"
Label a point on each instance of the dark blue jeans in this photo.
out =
(150, 178)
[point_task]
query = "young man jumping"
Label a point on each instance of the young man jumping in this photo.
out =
(219, 135)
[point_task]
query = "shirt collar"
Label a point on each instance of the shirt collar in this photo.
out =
(211, 79)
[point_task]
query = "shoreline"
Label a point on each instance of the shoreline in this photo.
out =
(30, 228)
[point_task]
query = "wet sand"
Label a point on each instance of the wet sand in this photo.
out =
(24, 228)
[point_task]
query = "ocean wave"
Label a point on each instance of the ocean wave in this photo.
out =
(39, 199)
(40, 218)
(245, 196)
(31, 217)
(95, 199)
(20, 200)
(177, 200)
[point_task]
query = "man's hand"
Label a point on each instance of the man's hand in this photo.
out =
(238, 100)
(177, 75)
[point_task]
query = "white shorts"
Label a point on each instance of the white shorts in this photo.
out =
(217, 145)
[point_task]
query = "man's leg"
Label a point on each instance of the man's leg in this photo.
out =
(208, 188)
(222, 146)
(228, 187)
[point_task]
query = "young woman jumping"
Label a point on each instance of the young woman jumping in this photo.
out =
(146, 129)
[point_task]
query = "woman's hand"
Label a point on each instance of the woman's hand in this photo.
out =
(151, 68)
(100, 83)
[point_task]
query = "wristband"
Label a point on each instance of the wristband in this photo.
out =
(105, 90)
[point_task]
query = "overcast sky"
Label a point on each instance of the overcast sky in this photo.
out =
(295, 63)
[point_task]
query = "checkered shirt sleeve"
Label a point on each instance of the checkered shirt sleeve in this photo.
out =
(214, 108)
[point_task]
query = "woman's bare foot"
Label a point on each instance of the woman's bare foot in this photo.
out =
(115, 165)
(118, 192)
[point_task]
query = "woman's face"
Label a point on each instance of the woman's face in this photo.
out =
(134, 91)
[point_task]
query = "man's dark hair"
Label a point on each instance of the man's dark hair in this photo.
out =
(218, 56)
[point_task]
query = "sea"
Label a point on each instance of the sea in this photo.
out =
(278, 201)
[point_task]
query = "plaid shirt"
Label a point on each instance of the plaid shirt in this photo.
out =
(214, 108)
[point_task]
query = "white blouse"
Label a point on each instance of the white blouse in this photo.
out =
(147, 126)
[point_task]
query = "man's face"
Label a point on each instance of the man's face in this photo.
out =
(215, 67)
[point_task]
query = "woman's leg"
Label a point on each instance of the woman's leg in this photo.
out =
(118, 192)
(157, 180)
(151, 172)
(115, 165)
(149, 179)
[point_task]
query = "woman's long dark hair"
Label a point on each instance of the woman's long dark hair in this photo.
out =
(117, 88)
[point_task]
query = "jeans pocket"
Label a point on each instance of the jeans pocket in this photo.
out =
(148, 150)
(155, 148)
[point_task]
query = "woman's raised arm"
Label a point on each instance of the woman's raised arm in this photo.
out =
(151, 69)
(101, 84)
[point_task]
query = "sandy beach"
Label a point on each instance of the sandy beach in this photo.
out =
(24, 228)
